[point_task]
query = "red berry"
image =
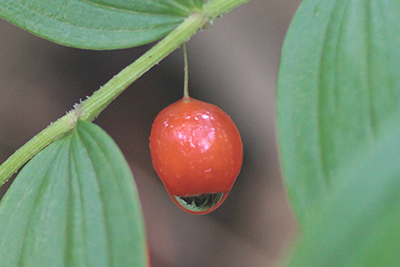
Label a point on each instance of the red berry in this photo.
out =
(197, 152)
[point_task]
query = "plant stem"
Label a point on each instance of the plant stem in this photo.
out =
(95, 104)
(186, 70)
(92, 107)
(52, 132)
(216, 8)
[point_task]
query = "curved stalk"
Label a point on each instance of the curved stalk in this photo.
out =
(186, 71)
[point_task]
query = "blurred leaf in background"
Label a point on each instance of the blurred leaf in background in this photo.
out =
(359, 224)
(339, 79)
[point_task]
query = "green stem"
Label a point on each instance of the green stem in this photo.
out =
(216, 8)
(186, 70)
(94, 105)
(37, 143)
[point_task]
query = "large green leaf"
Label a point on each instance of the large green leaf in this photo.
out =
(98, 24)
(359, 224)
(73, 204)
(339, 78)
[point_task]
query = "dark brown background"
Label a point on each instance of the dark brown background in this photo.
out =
(234, 65)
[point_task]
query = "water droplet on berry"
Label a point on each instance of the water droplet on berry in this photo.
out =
(200, 204)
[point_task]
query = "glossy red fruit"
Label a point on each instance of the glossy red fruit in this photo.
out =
(197, 152)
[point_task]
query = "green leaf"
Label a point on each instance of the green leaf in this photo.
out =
(339, 78)
(73, 204)
(98, 24)
(359, 224)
